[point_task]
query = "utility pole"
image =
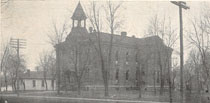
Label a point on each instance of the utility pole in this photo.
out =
(181, 5)
(18, 44)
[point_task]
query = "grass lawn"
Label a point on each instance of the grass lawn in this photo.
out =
(113, 94)
(98, 94)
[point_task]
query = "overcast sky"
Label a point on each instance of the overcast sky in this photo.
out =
(32, 20)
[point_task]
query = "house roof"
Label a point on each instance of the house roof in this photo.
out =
(79, 13)
(36, 75)
(127, 40)
(117, 39)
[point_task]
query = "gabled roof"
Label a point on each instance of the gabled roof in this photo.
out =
(79, 13)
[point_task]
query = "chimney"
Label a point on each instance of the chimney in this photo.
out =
(28, 72)
(90, 29)
(123, 33)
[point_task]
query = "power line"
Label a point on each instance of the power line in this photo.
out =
(181, 4)
(18, 44)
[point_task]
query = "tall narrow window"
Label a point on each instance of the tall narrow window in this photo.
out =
(126, 61)
(52, 83)
(117, 56)
(158, 77)
(136, 58)
(42, 83)
(127, 75)
(137, 73)
(34, 83)
(117, 74)
(126, 56)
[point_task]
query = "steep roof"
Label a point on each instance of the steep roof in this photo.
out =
(79, 13)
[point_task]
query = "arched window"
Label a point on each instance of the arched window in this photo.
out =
(126, 58)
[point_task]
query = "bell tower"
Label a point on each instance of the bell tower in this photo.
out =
(79, 17)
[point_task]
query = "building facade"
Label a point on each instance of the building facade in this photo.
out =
(131, 57)
(34, 80)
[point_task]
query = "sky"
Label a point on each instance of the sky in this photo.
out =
(32, 20)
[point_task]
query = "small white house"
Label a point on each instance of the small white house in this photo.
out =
(34, 80)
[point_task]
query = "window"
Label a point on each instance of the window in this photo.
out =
(42, 83)
(117, 74)
(52, 83)
(126, 61)
(158, 77)
(126, 56)
(136, 57)
(137, 73)
(127, 75)
(34, 83)
(117, 56)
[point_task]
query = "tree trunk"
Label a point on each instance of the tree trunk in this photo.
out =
(14, 84)
(103, 70)
(139, 80)
(45, 79)
(161, 73)
(169, 83)
(105, 78)
(207, 74)
(79, 87)
(46, 84)
(154, 82)
(110, 52)
(24, 86)
(140, 83)
(139, 90)
(58, 67)
(5, 78)
(65, 83)
(161, 81)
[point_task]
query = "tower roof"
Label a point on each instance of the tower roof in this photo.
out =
(79, 13)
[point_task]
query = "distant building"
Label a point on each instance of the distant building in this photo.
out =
(128, 55)
(34, 80)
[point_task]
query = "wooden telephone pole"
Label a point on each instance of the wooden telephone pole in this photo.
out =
(181, 5)
(17, 44)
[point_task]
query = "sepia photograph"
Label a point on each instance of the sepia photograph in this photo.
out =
(104, 51)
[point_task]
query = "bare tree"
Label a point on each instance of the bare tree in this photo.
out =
(94, 17)
(194, 69)
(142, 58)
(3, 63)
(174, 73)
(58, 33)
(47, 64)
(114, 23)
(56, 36)
(11, 68)
(199, 37)
(79, 58)
(167, 33)
(155, 29)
